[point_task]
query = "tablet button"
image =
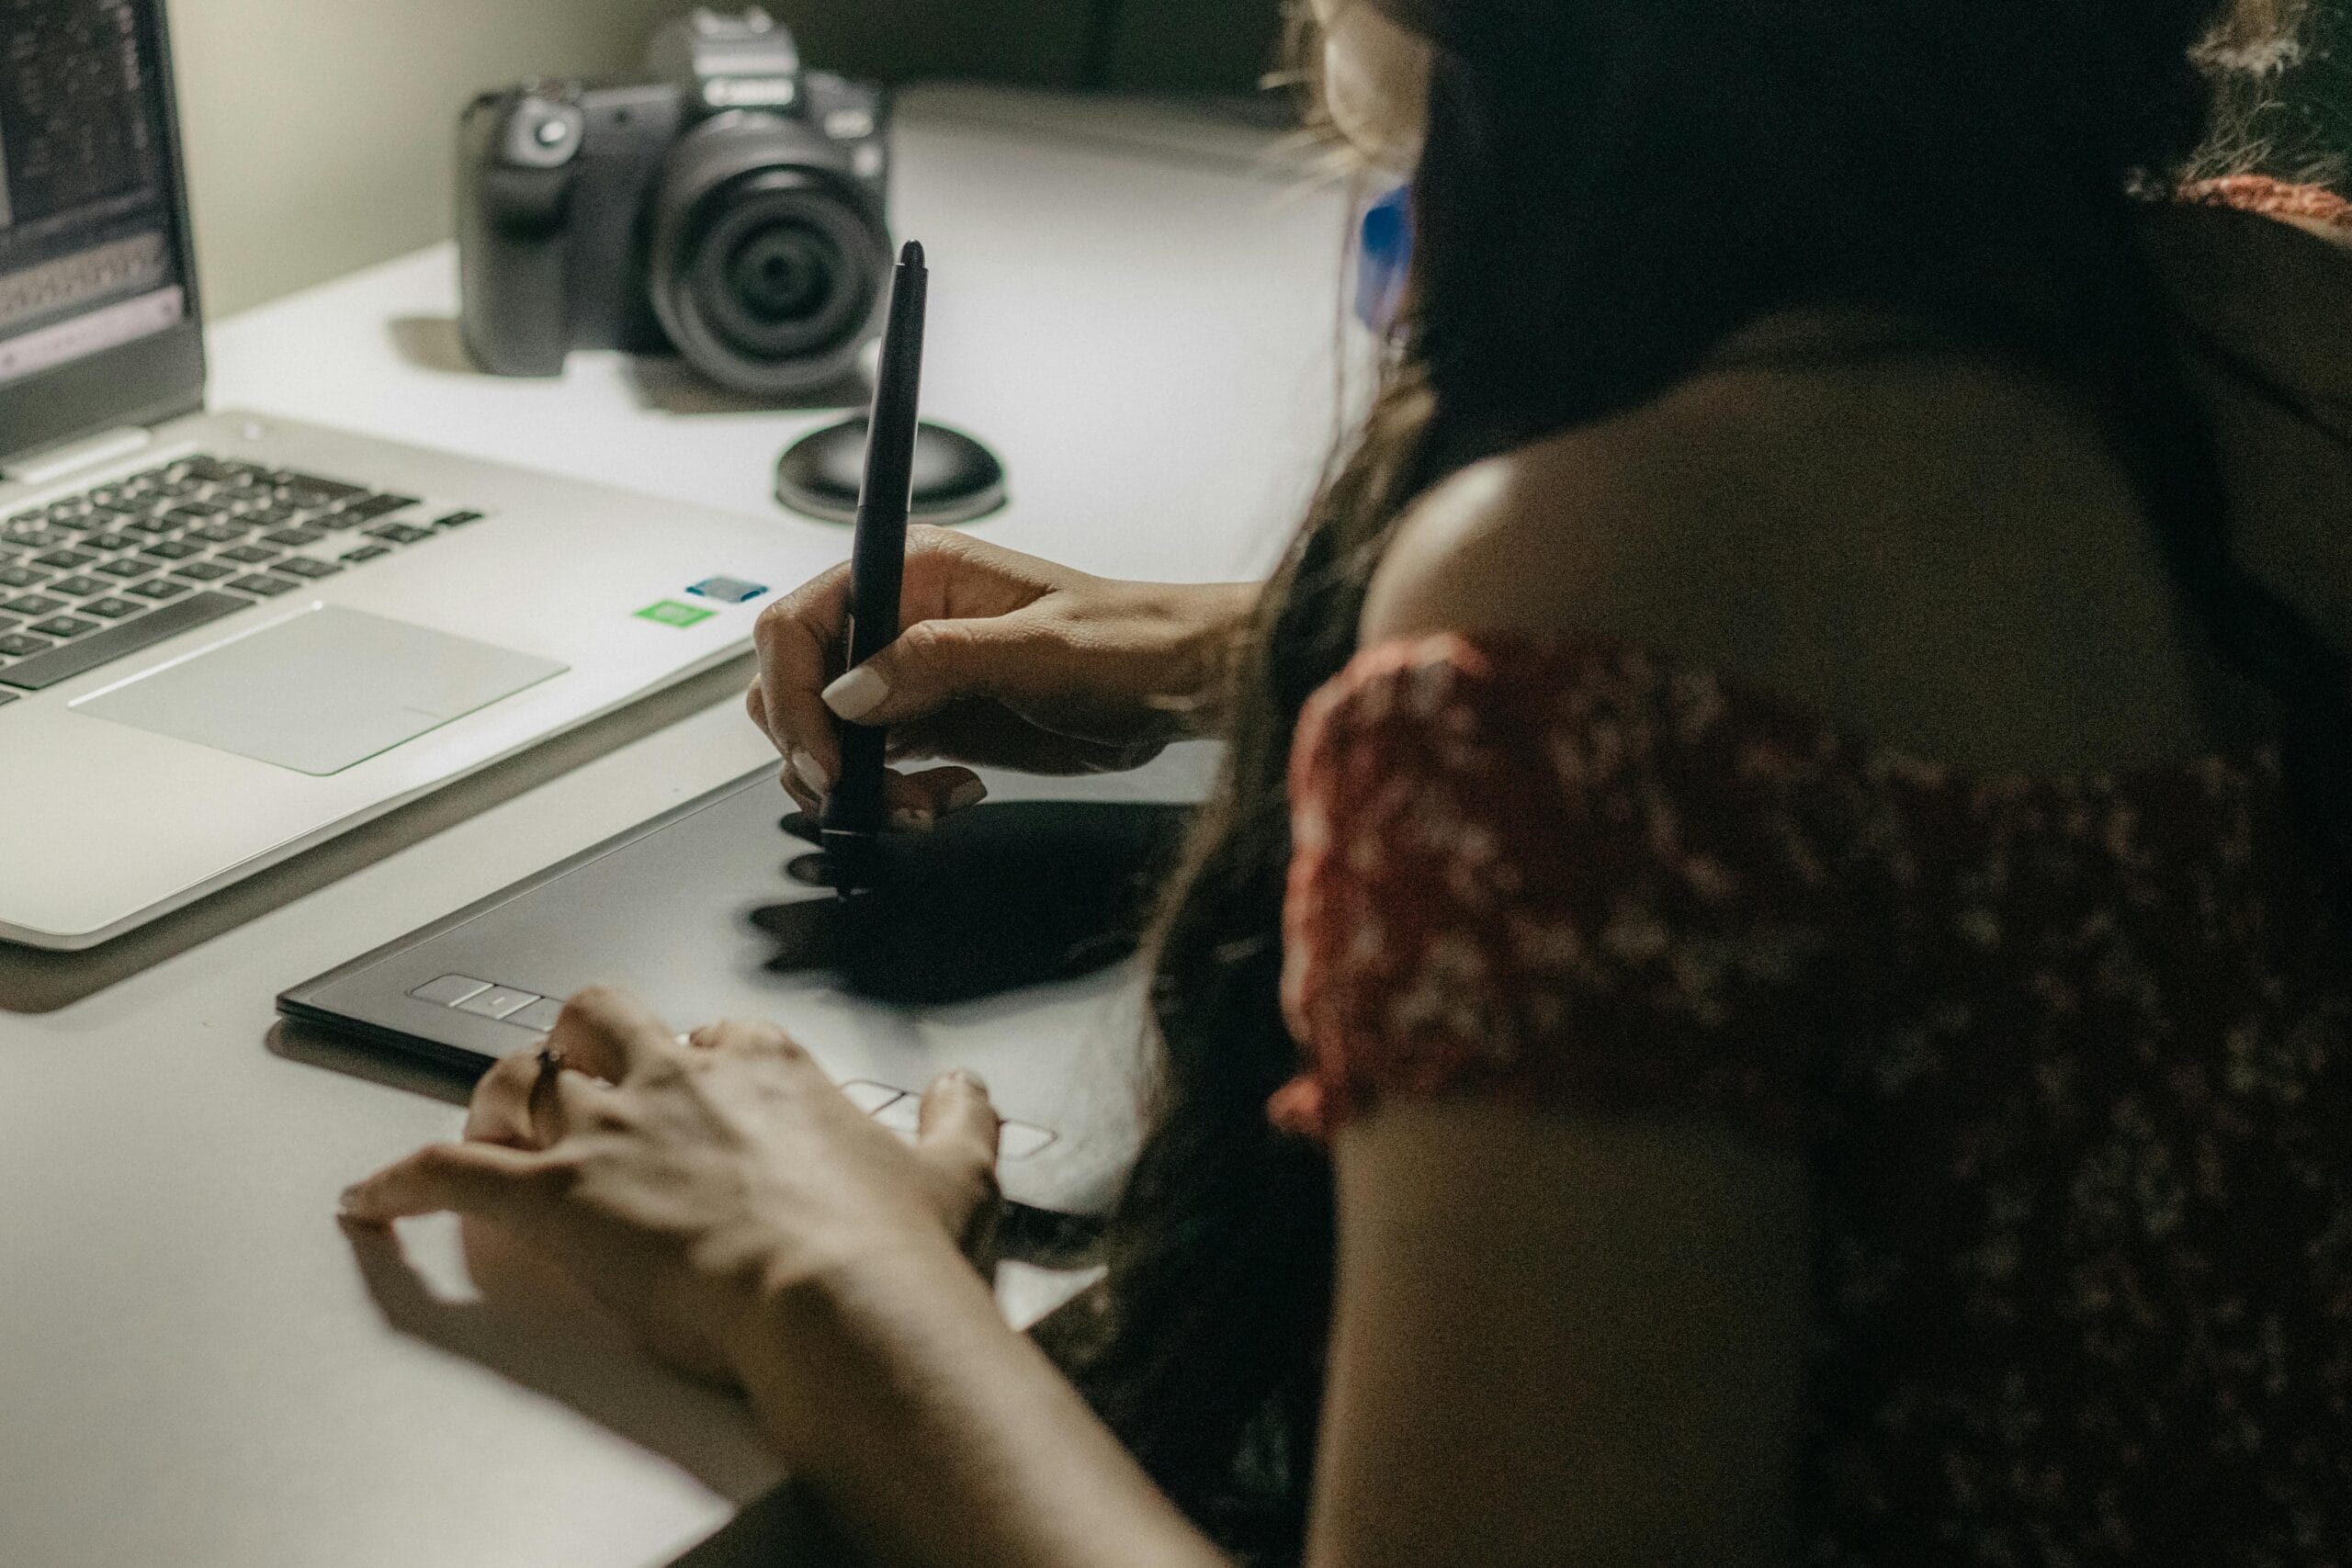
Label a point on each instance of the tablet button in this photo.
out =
(540, 1015)
(902, 1115)
(869, 1097)
(450, 990)
(499, 1001)
(1019, 1140)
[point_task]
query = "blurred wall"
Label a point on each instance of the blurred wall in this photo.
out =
(319, 136)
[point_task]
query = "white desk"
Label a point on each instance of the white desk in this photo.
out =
(196, 1368)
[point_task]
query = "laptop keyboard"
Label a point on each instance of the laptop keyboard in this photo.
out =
(120, 567)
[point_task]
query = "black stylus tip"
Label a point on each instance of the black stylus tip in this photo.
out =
(911, 253)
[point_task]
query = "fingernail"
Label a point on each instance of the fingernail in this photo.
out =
(971, 792)
(856, 694)
(911, 820)
(808, 770)
(348, 1204)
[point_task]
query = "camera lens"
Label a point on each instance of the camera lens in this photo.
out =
(766, 272)
(784, 273)
(774, 277)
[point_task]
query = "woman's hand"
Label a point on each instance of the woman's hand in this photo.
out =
(686, 1186)
(1003, 660)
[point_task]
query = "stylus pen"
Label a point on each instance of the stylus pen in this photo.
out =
(855, 810)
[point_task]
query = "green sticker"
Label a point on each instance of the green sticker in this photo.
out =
(670, 613)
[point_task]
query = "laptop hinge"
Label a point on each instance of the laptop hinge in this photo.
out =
(56, 462)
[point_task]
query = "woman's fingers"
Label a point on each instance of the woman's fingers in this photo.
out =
(796, 637)
(483, 1179)
(933, 663)
(920, 800)
(499, 1111)
(957, 1125)
(610, 1033)
(750, 1037)
(916, 801)
(956, 1136)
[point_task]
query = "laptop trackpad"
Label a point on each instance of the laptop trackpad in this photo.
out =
(320, 692)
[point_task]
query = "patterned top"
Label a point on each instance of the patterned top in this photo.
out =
(2260, 193)
(2065, 1058)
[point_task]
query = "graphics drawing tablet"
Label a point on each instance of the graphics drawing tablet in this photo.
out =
(1007, 949)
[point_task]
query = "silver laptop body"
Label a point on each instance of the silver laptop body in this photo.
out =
(225, 637)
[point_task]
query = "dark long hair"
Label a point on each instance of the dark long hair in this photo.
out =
(1607, 190)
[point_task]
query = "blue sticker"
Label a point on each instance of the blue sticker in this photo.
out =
(728, 590)
(1383, 258)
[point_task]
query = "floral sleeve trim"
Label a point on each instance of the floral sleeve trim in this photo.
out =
(1569, 875)
(2273, 198)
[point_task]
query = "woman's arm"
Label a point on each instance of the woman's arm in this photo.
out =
(934, 1434)
(1560, 1341)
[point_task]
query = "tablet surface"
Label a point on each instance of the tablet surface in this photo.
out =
(695, 912)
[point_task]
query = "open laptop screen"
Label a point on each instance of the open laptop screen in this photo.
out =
(88, 256)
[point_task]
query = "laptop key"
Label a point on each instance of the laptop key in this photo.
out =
(21, 577)
(86, 653)
(171, 549)
(251, 554)
(219, 533)
(456, 519)
(62, 627)
(267, 587)
(154, 527)
(65, 560)
(295, 539)
(355, 513)
(204, 572)
(21, 646)
(304, 566)
(129, 565)
(79, 587)
(159, 588)
(400, 533)
(112, 609)
(32, 604)
(366, 553)
(113, 542)
(294, 484)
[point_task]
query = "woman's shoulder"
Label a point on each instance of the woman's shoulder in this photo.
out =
(1912, 543)
(1768, 455)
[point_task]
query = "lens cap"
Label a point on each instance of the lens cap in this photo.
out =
(956, 478)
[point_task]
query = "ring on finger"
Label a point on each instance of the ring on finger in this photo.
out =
(541, 1106)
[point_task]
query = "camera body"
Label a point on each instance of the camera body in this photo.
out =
(732, 208)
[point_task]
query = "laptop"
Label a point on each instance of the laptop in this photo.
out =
(225, 637)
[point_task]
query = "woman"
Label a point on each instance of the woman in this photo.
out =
(1809, 1019)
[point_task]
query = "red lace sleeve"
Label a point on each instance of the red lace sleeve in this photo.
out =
(1566, 875)
(2276, 198)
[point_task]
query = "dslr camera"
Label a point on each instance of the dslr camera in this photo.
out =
(730, 209)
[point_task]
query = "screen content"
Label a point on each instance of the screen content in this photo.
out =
(86, 254)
